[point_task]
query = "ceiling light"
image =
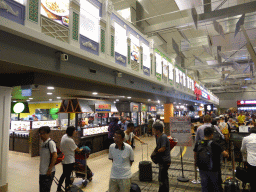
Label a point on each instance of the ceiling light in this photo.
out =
(30, 98)
(95, 93)
(162, 105)
(58, 97)
(128, 97)
(149, 99)
(179, 103)
(117, 99)
(122, 96)
(158, 101)
(50, 88)
(49, 93)
(14, 101)
(50, 99)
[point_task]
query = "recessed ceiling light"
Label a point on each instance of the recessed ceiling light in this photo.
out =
(158, 101)
(50, 88)
(58, 97)
(49, 93)
(95, 93)
(128, 97)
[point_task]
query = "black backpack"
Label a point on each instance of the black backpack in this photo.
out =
(204, 157)
(218, 138)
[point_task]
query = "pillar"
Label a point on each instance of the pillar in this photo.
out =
(168, 112)
(5, 110)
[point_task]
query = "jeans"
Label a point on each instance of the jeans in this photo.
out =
(45, 182)
(67, 170)
(210, 181)
(163, 177)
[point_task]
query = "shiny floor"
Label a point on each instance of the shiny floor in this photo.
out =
(23, 175)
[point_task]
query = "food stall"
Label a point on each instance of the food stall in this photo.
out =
(152, 111)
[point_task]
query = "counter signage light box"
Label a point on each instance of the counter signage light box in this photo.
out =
(120, 40)
(103, 108)
(26, 92)
(246, 102)
(57, 10)
(89, 20)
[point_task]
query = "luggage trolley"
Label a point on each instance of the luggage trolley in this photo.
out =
(80, 168)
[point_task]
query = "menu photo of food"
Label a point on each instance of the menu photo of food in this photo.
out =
(57, 10)
(135, 52)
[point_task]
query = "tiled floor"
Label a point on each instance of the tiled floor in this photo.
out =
(24, 170)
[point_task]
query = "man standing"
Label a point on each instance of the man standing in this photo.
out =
(122, 157)
(48, 156)
(163, 150)
(207, 157)
(249, 146)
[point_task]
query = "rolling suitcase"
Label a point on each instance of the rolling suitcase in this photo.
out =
(232, 185)
(145, 168)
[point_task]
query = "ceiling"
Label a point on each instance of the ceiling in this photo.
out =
(230, 69)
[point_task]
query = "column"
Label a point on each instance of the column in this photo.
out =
(33, 12)
(168, 112)
(74, 16)
(5, 107)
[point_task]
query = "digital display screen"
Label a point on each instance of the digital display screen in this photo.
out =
(57, 10)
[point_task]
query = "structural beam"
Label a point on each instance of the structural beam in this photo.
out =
(205, 17)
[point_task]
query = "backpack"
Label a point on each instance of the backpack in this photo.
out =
(204, 157)
(60, 155)
(218, 138)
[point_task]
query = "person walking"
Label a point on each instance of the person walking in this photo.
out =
(48, 156)
(207, 157)
(163, 150)
(249, 146)
(68, 147)
(129, 135)
(122, 157)
(112, 128)
(150, 125)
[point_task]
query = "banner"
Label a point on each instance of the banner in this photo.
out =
(180, 128)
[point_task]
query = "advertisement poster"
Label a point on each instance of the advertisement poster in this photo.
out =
(57, 10)
(153, 108)
(146, 59)
(158, 66)
(135, 108)
(120, 40)
(177, 74)
(184, 79)
(180, 128)
(135, 51)
(165, 69)
(170, 71)
(89, 21)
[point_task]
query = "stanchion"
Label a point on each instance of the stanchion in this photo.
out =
(182, 178)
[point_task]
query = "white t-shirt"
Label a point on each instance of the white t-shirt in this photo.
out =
(68, 146)
(128, 137)
(45, 156)
(121, 168)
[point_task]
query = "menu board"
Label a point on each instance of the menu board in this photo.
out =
(165, 68)
(158, 64)
(120, 40)
(20, 125)
(89, 20)
(146, 55)
(135, 51)
(57, 10)
(102, 108)
(170, 71)
(38, 124)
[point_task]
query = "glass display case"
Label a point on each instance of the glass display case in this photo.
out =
(20, 125)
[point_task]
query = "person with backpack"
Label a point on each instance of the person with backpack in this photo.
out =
(48, 157)
(207, 157)
(68, 147)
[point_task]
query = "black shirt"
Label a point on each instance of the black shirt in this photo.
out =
(163, 141)
(216, 152)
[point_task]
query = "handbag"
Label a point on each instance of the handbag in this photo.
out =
(242, 174)
(173, 142)
(155, 156)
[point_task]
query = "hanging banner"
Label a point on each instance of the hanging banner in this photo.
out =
(135, 108)
(146, 59)
(120, 40)
(165, 69)
(180, 129)
(153, 108)
(158, 66)
(170, 73)
(57, 10)
(135, 51)
(177, 75)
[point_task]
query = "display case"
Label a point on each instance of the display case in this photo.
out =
(20, 125)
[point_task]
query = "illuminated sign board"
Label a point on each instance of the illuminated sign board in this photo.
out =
(146, 55)
(204, 95)
(135, 108)
(246, 102)
(57, 10)
(153, 108)
(177, 74)
(102, 108)
(19, 107)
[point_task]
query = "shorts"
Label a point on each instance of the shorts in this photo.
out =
(120, 185)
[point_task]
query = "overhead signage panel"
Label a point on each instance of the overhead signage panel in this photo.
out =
(57, 10)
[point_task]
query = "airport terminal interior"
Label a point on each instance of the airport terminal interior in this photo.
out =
(95, 64)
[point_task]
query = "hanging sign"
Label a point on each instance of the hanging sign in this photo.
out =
(120, 40)
(102, 108)
(158, 66)
(146, 59)
(144, 108)
(135, 108)
(153, 108)
(165, 69)
(135, 51)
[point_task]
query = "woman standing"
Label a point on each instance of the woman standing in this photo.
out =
(68, 147)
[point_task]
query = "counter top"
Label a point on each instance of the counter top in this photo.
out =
(95, 135)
